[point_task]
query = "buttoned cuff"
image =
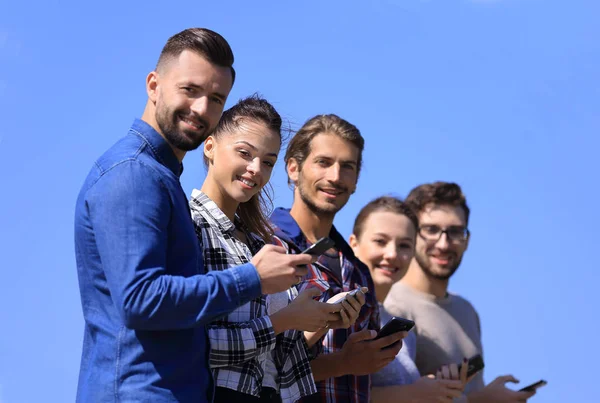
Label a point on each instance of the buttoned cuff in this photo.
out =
(247, 281)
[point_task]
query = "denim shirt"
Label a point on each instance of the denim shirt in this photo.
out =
(144, 292)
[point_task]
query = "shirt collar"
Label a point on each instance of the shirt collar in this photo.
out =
(285, 223)
(201, 201)
(160, 148)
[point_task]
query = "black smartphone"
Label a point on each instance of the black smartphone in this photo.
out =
(475, 364)
(319, 247)
(395, 325)
(533, 387)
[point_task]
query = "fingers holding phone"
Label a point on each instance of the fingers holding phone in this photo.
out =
(351, 302)
(306, 314)
(277, 270)
(497, 391)
(362, 355)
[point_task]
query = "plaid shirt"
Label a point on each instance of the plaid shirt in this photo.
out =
(347, 388)
(241, 342)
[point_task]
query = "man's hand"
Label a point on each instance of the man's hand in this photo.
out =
(362, 356)
(351, 305)
(497, 392)
(279, 271)
(304, 313)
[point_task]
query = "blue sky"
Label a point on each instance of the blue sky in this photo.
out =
(499, 96)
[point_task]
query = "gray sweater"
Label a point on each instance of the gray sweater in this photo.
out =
(447, 329)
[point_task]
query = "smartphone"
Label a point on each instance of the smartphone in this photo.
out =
(319, 247)
(475, 364)
(534, 386)
(395, 325)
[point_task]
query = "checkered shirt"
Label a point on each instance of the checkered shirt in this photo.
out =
(241, 341)
(347, 388)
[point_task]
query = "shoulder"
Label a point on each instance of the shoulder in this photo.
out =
(128, 181)
(125, 160)
(127, 148)
(462, 303)
(400, 301)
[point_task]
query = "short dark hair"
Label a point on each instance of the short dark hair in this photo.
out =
(439, 193)
(387, 204)
(209, 44)
(299, 146)
(255, 211)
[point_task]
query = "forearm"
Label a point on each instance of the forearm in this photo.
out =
(168, 302)
(313, 338)
(394, 394)
(252, 338)
(133, 248)
(281, 321)
(475, 397)
(328, 366)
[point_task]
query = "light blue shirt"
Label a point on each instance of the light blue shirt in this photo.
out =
(401, 371)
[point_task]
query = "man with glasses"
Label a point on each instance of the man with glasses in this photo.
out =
(447, 325)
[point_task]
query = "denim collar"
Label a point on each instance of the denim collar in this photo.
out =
(160, 148)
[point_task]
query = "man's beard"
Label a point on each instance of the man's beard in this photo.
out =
(329, 211)
(167, 122)
(426, 267)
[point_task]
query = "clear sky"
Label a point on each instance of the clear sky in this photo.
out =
(502, 97)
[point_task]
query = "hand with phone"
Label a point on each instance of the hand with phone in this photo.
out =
(534, 386)
(305, 314)
(277, 270)
(446, 385)
(362, 355)
(395, 325)
(351, 302)
(497, 392)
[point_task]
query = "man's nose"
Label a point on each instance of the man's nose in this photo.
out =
(333, 173)
(443, 242)
(200, 106)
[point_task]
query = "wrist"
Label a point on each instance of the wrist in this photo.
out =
(279, 320)
(476, 397)
(341, 366)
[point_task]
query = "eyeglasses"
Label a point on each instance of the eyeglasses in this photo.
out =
(433, 233)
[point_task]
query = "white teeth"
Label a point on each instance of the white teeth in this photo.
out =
(389, 269)
(193, 124)
(247, 182)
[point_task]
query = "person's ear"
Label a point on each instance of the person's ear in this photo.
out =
(209, 148)
(152, 83)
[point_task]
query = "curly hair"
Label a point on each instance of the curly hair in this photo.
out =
(440, 193)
